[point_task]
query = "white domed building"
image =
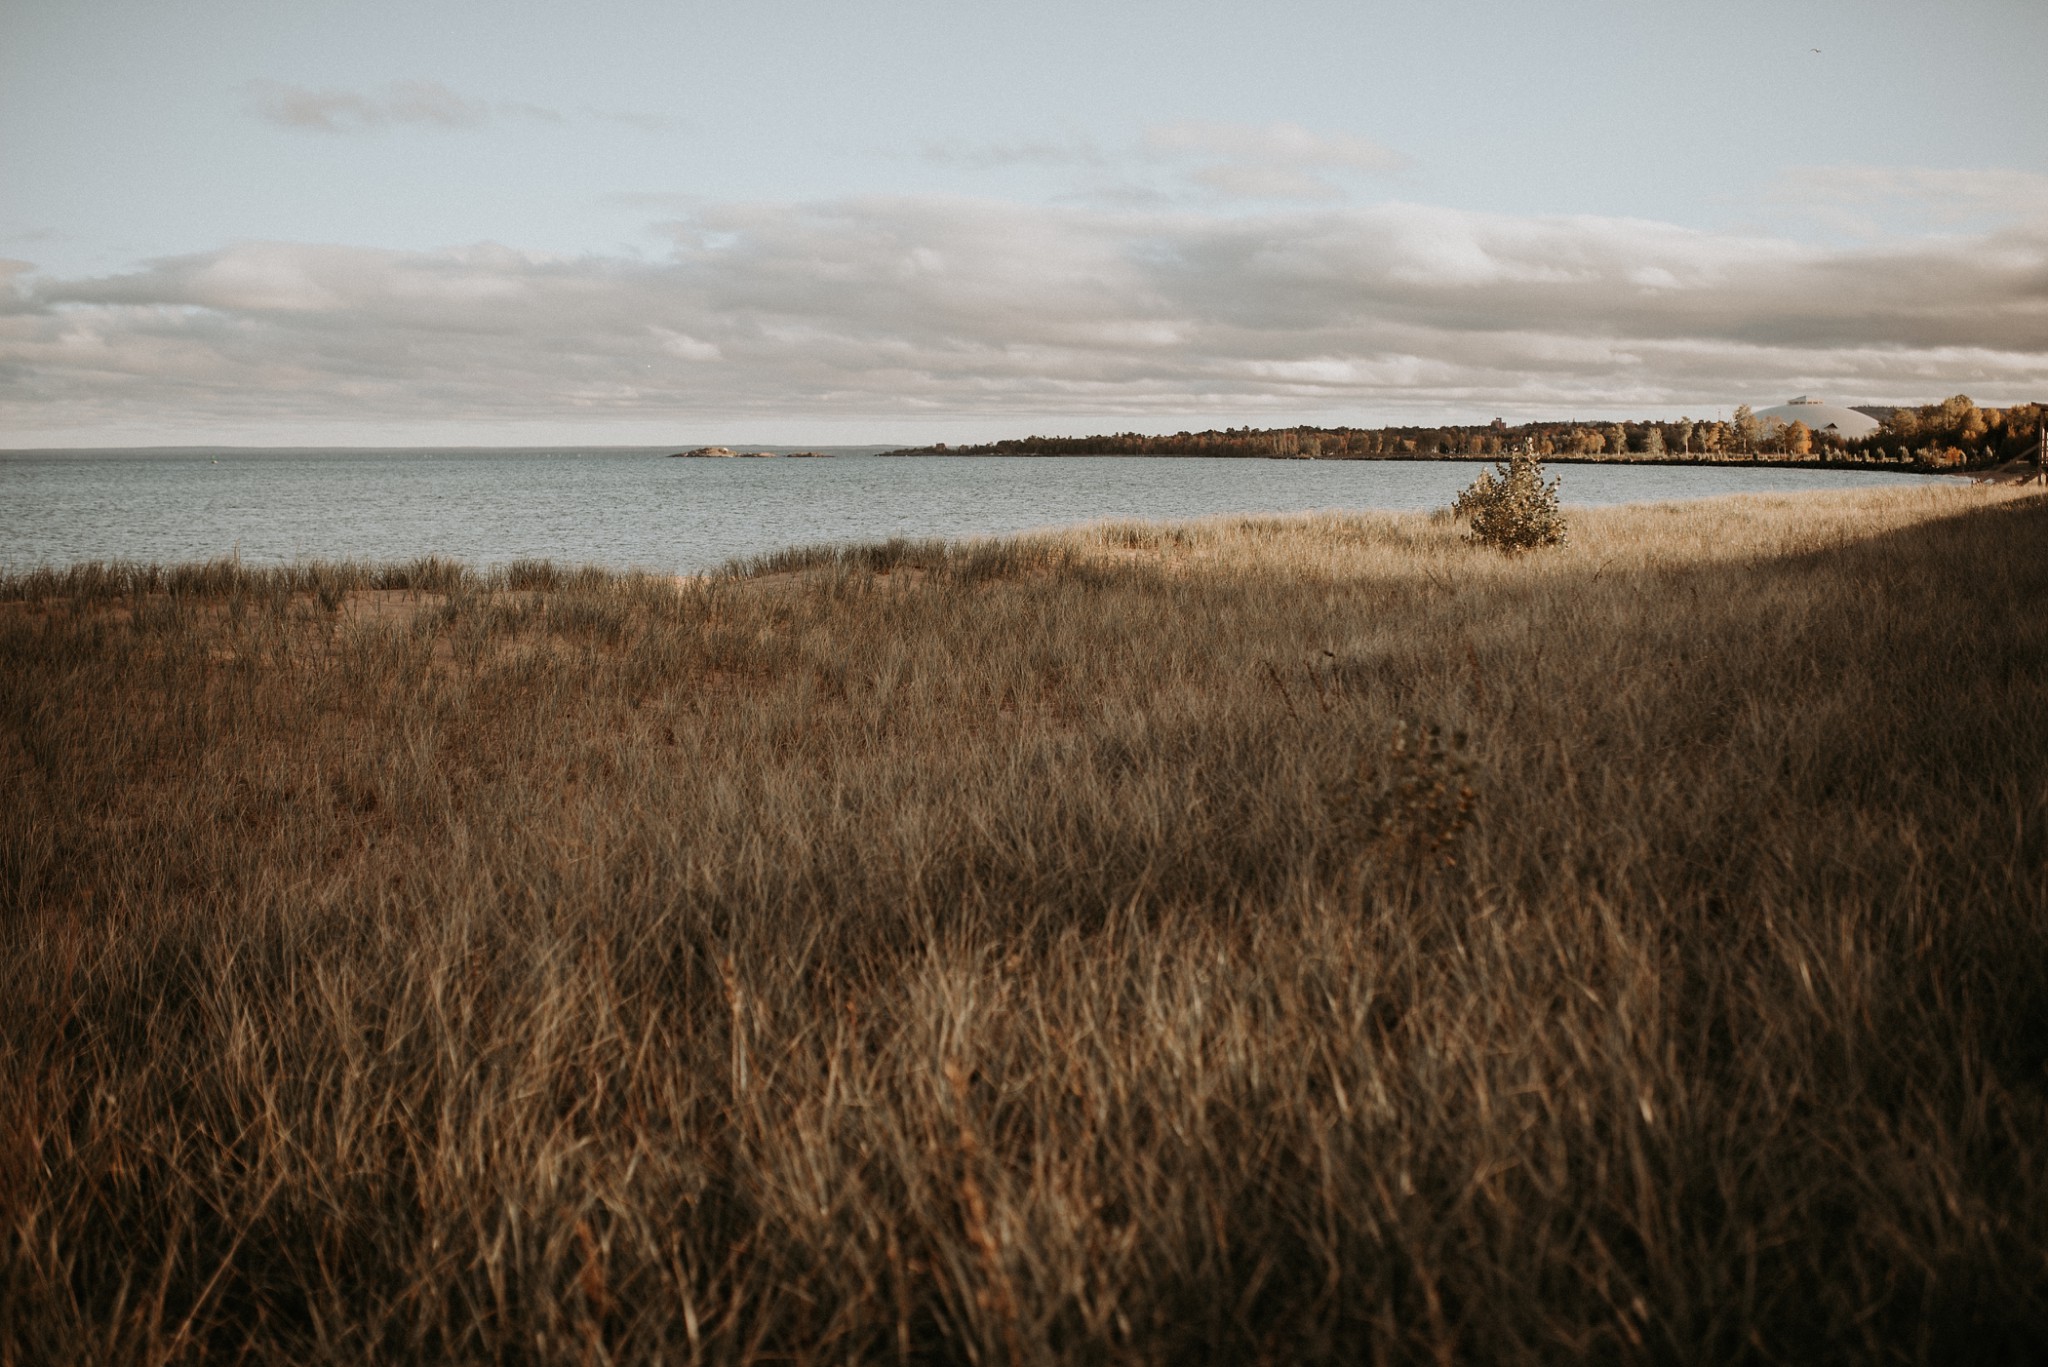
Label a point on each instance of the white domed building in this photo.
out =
(1819, 416)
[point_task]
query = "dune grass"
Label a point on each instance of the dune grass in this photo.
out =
(1254, 940)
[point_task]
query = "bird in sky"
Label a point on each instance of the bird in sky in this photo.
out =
(1813, 49)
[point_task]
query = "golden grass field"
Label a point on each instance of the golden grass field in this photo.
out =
(1271, 940)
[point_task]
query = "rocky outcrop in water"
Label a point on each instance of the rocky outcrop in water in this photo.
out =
(727, 453)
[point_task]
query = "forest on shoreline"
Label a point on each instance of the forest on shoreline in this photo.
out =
(1952, 435)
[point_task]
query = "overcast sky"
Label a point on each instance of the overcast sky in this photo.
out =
(787, 220)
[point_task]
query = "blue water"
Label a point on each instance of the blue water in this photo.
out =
(635, 508)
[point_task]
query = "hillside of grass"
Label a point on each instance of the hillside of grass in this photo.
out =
(1256, 940)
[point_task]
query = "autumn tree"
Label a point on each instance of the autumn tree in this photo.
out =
(1747, 429)
(1956, 413)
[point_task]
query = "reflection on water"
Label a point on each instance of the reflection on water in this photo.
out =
(635, 508)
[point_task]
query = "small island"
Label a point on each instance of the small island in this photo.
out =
(727, 453)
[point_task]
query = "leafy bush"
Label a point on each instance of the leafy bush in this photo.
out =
(1511, 508)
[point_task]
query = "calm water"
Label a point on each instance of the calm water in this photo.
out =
(626, 508)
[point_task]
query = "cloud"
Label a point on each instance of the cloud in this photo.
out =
(646, 123)
(984, 156)
(1239, 181)
(423, 103)
(683, 345)
(886, 308)
(1276, 161)
(416, 104)
(1863, 199)
(1273, 144)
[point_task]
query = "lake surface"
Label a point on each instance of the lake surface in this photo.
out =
(636, 508)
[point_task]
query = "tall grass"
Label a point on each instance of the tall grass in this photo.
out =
(1257, 940)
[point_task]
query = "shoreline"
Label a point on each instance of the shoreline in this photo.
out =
(1677, 462)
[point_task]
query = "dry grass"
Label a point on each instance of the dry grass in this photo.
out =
(1067, 949)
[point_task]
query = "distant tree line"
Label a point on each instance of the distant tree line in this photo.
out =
(1952, 434)
(1955, 433)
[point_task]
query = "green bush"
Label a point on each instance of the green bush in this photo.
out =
(1511, 508)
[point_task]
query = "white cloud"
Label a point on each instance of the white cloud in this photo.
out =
(888, 308)
(684, 345)
(984, 156)
(1236, 180)
(1863, 199)
(1276, 161)
(1273, 144)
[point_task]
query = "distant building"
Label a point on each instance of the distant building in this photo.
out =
(1818, 415)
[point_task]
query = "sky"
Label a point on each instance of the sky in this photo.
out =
(624, 221)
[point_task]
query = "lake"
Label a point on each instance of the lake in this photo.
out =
(636, 508)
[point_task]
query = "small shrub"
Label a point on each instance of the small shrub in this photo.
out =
(1511, 508)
